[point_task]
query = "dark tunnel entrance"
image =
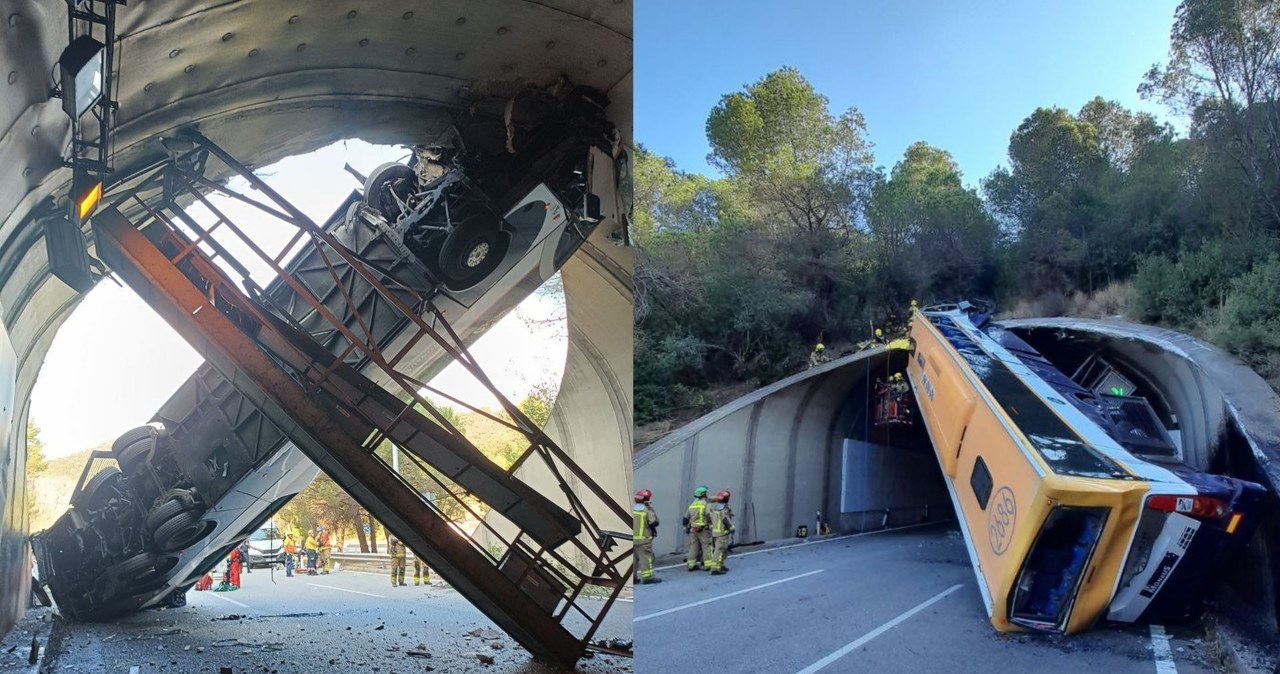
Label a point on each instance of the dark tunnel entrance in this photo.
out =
(889, 475)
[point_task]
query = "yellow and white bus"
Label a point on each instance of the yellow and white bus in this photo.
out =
(1072, 503)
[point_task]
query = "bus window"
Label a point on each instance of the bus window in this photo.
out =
(1051, 574)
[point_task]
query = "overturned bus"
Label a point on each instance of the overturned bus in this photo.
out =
(470, 224)
(1076, 501)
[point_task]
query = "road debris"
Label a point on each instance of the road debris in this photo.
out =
(485, 658)
(484, 633)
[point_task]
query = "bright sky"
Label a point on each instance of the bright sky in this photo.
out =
(114, 362)
(959, 74)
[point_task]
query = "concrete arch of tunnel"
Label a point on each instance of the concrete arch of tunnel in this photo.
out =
(265, 79)
(780, 450)
(592, 416)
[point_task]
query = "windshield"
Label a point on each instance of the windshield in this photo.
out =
(266, 534)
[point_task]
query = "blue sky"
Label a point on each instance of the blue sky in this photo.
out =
(958, 74)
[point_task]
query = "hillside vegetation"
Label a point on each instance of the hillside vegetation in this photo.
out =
(1100, 211)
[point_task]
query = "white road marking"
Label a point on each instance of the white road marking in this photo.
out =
(343, 589)
(1160, 649)
(851, 646)
(724, 596)
(217, 595)
(735, 555)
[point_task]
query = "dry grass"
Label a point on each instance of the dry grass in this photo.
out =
(1051, 304)
(1112, 301)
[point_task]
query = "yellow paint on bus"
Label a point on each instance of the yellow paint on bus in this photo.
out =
(964, 423)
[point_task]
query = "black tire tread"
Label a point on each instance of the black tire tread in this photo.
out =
(132, 436)
(95, 484)
(172, 507)
(166, 533)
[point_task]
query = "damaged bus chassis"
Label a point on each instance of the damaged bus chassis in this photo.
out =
(326, 360)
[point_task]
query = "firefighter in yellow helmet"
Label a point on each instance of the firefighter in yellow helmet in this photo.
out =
(644, 527)
(899, 385)
(721, 517)
(699, 530)
(819, 355)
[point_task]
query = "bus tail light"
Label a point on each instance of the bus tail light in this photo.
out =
(1201, 507)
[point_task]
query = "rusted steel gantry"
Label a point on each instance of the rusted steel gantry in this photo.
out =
(324, 393)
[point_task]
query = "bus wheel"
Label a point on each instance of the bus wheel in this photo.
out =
(472, 251)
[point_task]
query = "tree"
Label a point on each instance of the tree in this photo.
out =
(1224, 68)
(932, 237)
(804, 166)
(36, 464)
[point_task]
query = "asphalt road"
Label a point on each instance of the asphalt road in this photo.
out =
(342, 622)
(901, 601)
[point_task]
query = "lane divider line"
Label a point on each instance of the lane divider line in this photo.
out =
(725, 596)
(218, 595)
(1160, 649)
(735, 555)
(343, 589)
(851, 646)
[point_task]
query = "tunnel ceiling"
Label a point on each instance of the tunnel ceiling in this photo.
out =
(269, 79)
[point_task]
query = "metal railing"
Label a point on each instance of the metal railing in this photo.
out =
(192, 247)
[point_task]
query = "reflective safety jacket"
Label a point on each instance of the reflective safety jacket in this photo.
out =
(696, 515)
(310, 544)
(721, 520)
(644, 520)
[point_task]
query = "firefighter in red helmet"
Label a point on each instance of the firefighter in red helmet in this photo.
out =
(721, 518)
(644, 527)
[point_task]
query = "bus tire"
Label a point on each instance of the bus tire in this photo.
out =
(472, 252)
(95, 488)
(180, 532)
(132, 457)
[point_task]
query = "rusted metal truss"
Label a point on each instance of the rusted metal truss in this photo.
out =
(323, 365)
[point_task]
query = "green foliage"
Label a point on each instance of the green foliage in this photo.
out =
(1250, 326)
(36, 465)
(804, 166)
(1190, 291)
(930, 235)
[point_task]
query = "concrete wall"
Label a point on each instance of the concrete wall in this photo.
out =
(779, 450)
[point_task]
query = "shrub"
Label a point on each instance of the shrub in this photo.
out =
(1250, 326)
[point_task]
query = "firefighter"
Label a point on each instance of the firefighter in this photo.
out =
(244, 557)
(721, 518)
(696, 525)
(309, 546)
(322, 541)
(880, 336)
(644, 528)
(290, 553)
(819, 355)
(420, 572)
(899, 385)
(397, 551)
(233, 569)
